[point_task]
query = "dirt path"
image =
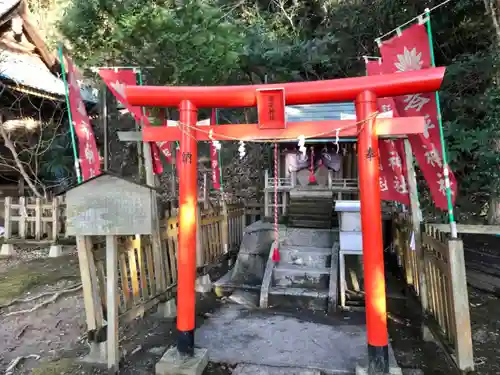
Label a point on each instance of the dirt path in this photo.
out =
(56, 331)
(51, 339)
(48, 330)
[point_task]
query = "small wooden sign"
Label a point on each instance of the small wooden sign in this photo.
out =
(108, 205)
(271, 108)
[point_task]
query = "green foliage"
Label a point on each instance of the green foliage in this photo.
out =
(228, 42)
(185, 44)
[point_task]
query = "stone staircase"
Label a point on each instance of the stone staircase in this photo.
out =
(310, 208)
(306, 276)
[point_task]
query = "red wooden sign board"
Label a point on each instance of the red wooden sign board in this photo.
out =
(271, 108)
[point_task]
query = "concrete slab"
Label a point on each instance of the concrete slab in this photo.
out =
(244, 369)
(393, 370)
(174, 364)
(237, 335)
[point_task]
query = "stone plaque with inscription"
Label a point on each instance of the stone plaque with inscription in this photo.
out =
(109, 205)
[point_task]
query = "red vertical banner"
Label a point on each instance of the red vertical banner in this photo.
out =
(88, 155)
(393, 183)
(214, 156)
(165, 146)
(116, 81)
(406, 52)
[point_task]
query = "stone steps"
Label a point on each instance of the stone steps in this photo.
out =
(311, 211)
(291, 275)
(304, 237)
(306, 256)
(321, 224)
(312, 208)
(303, 277)
(309, 299)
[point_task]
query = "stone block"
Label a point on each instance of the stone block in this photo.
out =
(203, 284)
(55, 251)
(172, 363)
(98, 354)
(393, 370)
(167, 309)
(7, 249)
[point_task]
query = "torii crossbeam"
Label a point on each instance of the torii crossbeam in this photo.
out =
(271, 100)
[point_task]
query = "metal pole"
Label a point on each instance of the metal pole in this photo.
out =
(104, 114)
(70, 118)
(371, 224)
(446, 167)
(188, 202)
(144, 149)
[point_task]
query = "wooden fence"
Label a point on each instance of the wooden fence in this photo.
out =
(144, 278)
(434, 268)
(33, 219)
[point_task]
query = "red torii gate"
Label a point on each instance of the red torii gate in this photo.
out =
(271, 99)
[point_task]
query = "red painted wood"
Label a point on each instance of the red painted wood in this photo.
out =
(188, 201)
(371, 222)
(271, 109)
(385, 127)
(346, 89)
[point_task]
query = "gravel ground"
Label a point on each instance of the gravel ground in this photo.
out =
(56, 332)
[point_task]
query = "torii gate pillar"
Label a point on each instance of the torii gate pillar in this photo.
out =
(186, 253)
(371, 226)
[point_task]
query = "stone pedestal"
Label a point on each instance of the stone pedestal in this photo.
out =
(203, 284)
(172, 363)
(167, 309)
(7, 249)
(55, 251)
(98, 354)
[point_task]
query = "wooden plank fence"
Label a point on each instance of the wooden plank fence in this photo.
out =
(437, 277)
(139, 273)
(33, 219)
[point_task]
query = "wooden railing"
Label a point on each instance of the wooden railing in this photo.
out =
(344, 185)
(28, 218)
(435, 270)
(146, 278)
(254, 211)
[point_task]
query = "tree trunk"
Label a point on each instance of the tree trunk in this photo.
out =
(493, 9)
(10, 146)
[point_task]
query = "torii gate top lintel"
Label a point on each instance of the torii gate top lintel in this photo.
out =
(315, 92)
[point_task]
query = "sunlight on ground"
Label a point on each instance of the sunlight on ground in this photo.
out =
(61, 367)
(25, 276)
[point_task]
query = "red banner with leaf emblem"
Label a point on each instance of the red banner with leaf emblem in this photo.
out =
(409, 51)
(116, 80)
(214, 157)
(393, 183)
(88, 155)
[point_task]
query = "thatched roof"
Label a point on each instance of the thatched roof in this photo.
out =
(26, 63)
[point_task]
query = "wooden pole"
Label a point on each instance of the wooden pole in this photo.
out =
(186, 257)
(415, 216)
(112, 302)
(371, 223)
(104, 115)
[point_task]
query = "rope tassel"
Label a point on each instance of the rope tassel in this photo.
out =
(312, 177)
(276, 252)
(276, 255)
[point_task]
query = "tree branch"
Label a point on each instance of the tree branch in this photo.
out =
(18, 162)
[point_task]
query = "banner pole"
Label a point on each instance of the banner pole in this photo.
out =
(141, 147)
(70, 118)
(446, 168)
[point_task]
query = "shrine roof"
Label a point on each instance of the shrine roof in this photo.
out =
(110, 174)
(30, 71)
(29, 65)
